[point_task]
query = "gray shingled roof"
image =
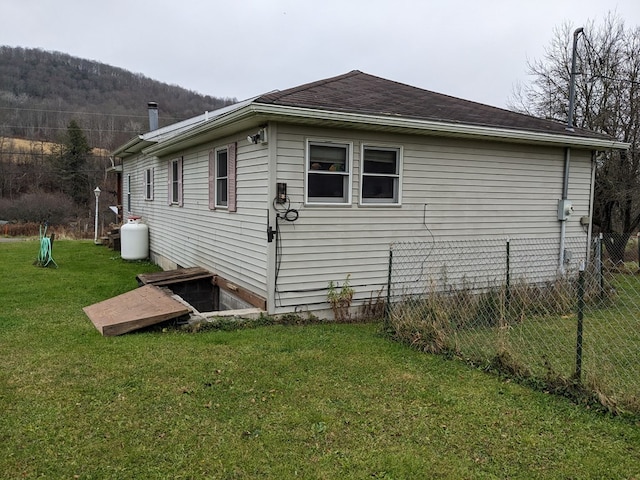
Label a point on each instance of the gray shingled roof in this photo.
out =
(358, 92)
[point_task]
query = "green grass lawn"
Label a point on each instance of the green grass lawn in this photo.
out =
(546, 345)
(318, 402)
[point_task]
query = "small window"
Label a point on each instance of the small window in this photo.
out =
(128, 193)
(328, 173)
(380, 175)
(222, 177)
(175, 182)
(148, 184)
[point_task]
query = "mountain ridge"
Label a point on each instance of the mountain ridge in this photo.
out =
(42, 91)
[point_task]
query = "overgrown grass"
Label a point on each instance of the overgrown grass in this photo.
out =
(63, 231)
(315, 401)
(530, 331)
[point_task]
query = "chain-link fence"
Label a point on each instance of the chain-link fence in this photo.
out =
(522, 305)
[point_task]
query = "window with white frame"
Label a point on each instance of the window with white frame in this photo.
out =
(148, 184)
(380, 175)
(129, 193)
(175, 182)
(222, 177)
(328, 168)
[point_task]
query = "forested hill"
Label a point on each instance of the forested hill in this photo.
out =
(41, 92)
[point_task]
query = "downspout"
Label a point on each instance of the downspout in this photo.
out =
(272, 166)
(562, 206)
(594, 159)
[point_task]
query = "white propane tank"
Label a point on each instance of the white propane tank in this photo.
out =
(134, 240)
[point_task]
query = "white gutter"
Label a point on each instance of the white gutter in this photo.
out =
(176, 129)
(563, 221)
(215, 123)
(591, 204)
(382, 122)
(441, 127)
(130, 144)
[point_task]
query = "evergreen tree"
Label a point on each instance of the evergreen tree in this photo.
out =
(70, 164)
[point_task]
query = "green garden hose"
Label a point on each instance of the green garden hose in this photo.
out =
(45, 255)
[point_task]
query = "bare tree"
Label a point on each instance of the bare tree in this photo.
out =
(607, 101)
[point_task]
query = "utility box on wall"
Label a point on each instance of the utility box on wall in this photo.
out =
(565, 209)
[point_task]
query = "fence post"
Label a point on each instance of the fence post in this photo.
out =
(578, 374)
(508, 279)
(599, 268)
(387, 307)
(638, 242)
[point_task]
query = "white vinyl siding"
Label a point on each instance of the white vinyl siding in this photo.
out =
(451, 189)
(448, 189)
(231, 245)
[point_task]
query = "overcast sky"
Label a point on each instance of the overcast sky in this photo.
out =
(473, 49)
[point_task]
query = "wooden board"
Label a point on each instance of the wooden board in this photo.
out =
(183, 275)
(242, 293)
(139, 308)
(173, 276)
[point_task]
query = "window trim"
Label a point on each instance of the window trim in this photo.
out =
(171, 181)
(348, 146)
(232, 178)
(148, 183)
(128, 193)
(369, 202)
(218, 178)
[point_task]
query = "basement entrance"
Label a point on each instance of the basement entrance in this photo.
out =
(194, 285)
(205, 291)
(191, 294)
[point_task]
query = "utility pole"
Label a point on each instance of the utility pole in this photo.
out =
(572, 79)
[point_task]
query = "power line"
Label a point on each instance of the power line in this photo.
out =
(40, 154)
(50, 172)
(86, 113)
(66, 128)
(594, 52)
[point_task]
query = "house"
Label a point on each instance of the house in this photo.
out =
(281, 194)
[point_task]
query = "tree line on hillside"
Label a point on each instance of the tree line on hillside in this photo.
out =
(54, 186)
(41, 92)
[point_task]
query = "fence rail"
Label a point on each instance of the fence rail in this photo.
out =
(570, 317)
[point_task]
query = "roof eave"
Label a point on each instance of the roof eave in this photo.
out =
(430, 127)
(254, 112)
(214, 128)
(133, 146)
(164, 134)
